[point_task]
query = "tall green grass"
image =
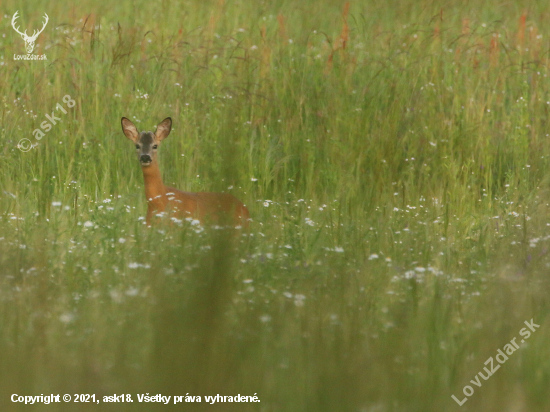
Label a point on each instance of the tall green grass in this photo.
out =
(394, 158)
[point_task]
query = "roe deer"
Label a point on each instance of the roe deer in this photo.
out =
(201, 205)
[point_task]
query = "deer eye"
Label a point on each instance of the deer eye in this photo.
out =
(155, 146)
(137, 146)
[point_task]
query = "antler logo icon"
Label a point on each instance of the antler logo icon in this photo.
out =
(29, 40)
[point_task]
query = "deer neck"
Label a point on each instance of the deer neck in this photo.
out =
(154, 188)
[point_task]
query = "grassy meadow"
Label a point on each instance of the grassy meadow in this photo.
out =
(395, 159)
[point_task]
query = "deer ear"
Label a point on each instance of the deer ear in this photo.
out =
(129, 129)
(163, 129)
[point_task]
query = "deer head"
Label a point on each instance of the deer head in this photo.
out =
(29, 40)
(146, 142)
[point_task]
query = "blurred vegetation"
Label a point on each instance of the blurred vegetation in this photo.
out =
(395, 160)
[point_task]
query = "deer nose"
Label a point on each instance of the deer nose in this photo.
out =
(145, 159)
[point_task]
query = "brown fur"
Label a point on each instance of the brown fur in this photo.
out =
(203, 206)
